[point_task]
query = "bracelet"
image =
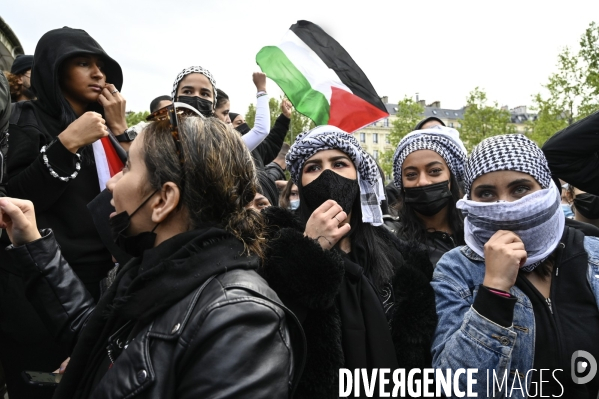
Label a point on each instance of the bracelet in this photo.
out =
(261, 93)
(52, 172)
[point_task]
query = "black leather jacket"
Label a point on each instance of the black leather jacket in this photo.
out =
(229, 338)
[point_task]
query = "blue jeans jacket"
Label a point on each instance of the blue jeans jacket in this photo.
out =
(465, 339)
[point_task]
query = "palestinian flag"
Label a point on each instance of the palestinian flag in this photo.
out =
(108, 162)
(320, 79)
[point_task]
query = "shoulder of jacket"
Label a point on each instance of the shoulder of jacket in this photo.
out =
(459, 264)
(591, 245)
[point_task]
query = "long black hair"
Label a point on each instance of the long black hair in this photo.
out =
(412, 227)
(371, 244)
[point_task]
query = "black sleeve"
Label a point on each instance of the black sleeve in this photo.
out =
(572, 154)
(274, 171)
(28, 177)
(499, 309)
(58, 296)
(270, 147)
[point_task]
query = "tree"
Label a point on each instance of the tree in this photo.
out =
(572, 91)
(409, 113)
(482, 120)
(133, 118)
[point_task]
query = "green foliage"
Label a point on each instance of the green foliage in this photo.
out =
(250, 115)
(133, 118)
(482, 120)
(409, 113)
(571, 91)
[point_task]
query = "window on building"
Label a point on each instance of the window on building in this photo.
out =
(434, 112)
(362, 137)
(386, 122)
(375, 155)
(450, 124)
(387, 140)
(375, 138)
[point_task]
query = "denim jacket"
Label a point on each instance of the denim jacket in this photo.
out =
(465, 339)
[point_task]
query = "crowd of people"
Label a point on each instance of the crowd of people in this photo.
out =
(192, 255)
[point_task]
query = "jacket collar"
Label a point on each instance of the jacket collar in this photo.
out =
(470, 254)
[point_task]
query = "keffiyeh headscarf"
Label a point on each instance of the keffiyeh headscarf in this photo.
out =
(537, 218)
(507, 152)
(445, 141)
(332, 138)
(193, 69)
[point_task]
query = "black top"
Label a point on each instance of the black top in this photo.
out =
(572, 154)
(268, 150)
(59, 205)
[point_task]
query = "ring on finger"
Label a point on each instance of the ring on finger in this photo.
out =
(115, 91)
(336, 219)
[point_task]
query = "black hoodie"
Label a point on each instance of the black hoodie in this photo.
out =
(61, 206)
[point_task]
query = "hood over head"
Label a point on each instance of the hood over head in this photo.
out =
(52, 50)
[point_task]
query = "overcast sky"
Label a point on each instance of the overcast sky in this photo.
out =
(440, 49)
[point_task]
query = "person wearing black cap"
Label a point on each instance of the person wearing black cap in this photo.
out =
(20, 78)
(53, 162)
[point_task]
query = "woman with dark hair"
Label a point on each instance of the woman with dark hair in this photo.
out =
(427, 167)
(222, 107)
(62, 150)
(520, 301)
(196, 86)
(188, 317)
(289, 198)
(362, 304)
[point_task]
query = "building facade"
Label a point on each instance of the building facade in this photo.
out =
(374, 138)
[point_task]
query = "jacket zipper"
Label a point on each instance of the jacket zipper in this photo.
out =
(548, 300)
(554, 312)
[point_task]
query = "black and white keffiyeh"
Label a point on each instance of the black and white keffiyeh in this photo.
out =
(193, 69)
(507, 152)
(536, 218)
(332, 138)
(445, 141)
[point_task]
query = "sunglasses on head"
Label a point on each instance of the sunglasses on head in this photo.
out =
(172, 113)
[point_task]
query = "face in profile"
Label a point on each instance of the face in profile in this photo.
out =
(222, 112)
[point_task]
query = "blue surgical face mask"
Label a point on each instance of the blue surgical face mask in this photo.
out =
(567, 211)
(294, 204)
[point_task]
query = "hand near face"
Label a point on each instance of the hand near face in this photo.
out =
(286, 108)
(18, 218)
(114, 105)
(259, 80)
(324, 224)
(504, 255)
(86, 129)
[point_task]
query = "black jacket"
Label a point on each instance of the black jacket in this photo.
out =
(228, 337)
(268, 150)
(573, 154)
(310, 281)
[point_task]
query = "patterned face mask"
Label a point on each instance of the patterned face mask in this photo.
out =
(537, 219)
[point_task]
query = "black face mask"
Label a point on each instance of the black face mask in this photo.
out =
(201, 104)
(588, 205)
(133, 245)
(243, 128)
(331, 185)
(428, 200)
